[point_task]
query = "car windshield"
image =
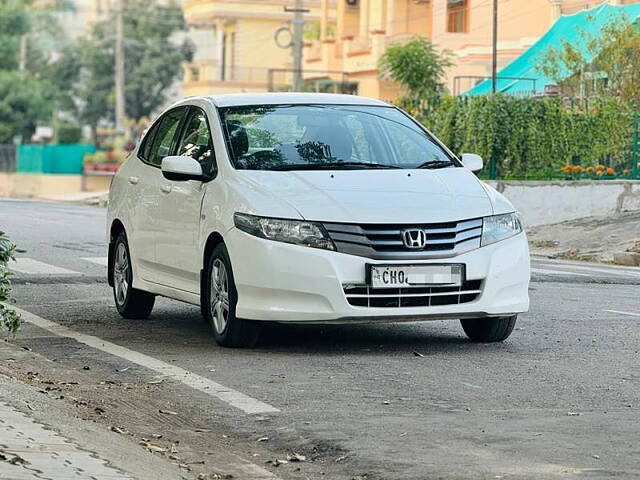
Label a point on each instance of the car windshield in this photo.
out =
(325, 137)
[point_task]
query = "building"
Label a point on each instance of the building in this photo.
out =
(351, 46)
(363, 29)
(236, 45)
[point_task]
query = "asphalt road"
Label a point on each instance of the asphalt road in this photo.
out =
(559, 399)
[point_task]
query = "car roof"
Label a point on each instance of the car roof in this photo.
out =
(240, 99)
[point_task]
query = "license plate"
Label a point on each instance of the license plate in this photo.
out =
(398, 276)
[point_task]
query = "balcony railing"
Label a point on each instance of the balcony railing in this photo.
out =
(398, 38)
(232, 74)
(359, 45)
(313, 51)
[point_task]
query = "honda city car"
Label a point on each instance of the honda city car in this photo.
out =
(311, 208)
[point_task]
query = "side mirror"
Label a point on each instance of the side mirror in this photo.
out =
(472, 161)
(181, 168)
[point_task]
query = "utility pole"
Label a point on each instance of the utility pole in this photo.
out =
(119, 68)
(297, 42)
(494, 53)
(22, 61)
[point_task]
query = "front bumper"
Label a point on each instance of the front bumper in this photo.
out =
(289, 283)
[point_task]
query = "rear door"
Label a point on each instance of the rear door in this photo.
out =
(178, 252)
(159, 142)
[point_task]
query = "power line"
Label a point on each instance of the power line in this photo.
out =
(119, 69)
(494, 53)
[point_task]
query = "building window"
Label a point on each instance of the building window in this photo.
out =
(458, 16)
(195, 74)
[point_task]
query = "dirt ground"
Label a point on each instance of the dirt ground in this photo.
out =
(590, 239)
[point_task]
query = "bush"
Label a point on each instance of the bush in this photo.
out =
(532, 138)
(9, 319)
(68, 133)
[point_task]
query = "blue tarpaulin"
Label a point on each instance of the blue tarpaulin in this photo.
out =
(567, 27)
(63, 159)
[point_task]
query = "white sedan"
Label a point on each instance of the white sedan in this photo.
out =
(311, 208)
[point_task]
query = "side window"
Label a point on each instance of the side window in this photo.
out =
(147, 142)
(196, 141)
(166, 130)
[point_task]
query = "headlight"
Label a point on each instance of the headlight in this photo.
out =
(298, 232)
(499, 227)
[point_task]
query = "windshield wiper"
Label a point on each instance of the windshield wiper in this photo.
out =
(436, 164)
(331, 165)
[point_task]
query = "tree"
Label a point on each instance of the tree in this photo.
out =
(14, 23)
(418, 67)
(9, 319)
(604, 65)
(26, 96)
(24, 102)
(84, 81)
(153, 62)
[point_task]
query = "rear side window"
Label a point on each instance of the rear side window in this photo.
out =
(147, 143)
(160, 139)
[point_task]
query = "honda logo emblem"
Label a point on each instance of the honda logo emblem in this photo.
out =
(414, 238)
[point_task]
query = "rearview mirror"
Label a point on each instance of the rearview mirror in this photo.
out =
(181, 168)
(472, 161)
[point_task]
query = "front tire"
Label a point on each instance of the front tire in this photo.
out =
(130, 302)
(220, 298)
(488, 330)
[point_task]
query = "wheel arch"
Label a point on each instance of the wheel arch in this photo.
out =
(213, 240)
(117, 227)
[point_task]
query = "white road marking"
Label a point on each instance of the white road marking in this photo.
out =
(98, 260)
(34, 267)
(557, 272)
(471, 385)
(610, 271)
(632, 314)
(228, 395)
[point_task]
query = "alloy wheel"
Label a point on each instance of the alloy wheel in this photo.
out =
(219, 295)
(121, 273)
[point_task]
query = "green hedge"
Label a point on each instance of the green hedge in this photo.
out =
(533, 138)
(68, 133)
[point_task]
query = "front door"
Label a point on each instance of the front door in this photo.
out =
(177, 246)
(158, 143)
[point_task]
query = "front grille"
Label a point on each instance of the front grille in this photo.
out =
(365, 296)
(384, 241)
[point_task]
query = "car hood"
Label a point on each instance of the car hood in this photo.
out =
(373, 196)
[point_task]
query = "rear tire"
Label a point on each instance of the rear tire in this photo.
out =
(130, 302)
(219, 300)
(488, 330)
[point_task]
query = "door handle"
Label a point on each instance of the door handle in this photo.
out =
(165, 188)
(134, 180)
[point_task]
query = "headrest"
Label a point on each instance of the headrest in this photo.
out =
(238, 137)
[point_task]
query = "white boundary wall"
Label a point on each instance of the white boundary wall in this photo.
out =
(549, 202)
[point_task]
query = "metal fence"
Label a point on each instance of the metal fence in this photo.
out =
(7, 158)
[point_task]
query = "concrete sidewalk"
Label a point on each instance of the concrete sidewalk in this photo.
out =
(87, 198)
(29, 450)
(592, 239)
(42, 437)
